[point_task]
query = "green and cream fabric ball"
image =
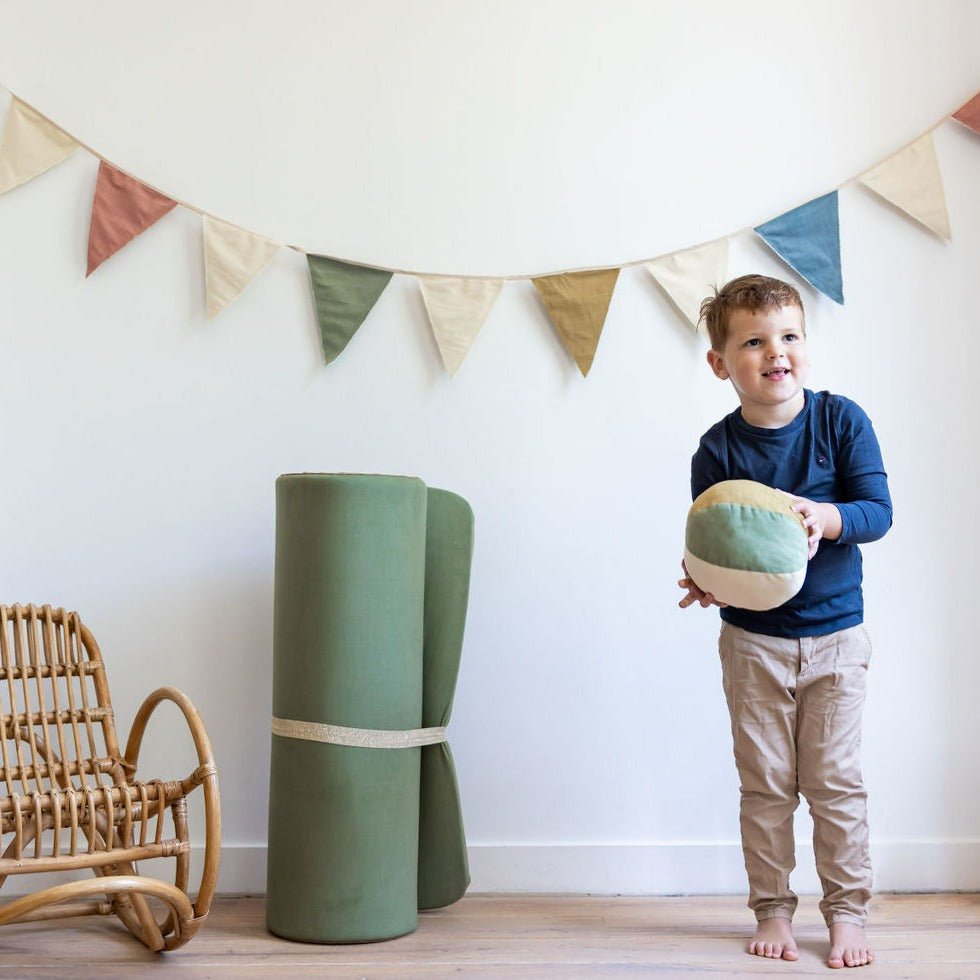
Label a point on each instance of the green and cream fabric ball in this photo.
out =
(745, 545)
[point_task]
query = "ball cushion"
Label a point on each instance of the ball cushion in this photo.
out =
(745, 545)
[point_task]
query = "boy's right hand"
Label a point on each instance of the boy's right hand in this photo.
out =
(694, 594)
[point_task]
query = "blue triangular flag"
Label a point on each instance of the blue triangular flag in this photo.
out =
(808, 238)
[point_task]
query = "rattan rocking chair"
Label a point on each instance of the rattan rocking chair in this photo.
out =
(72, 801)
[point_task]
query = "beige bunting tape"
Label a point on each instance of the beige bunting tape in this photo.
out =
(961, 105)
(365, 738)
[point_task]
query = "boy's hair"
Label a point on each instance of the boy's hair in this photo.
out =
(752, 293)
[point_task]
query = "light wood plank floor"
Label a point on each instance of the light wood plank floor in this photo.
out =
(517, 936)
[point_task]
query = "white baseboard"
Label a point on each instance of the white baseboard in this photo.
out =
(634, 869)
(705, 868)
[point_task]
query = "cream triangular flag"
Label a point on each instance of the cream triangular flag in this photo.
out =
(687, 276)
(457, 309)
(30, 145)
(233, 257)
(911, 181)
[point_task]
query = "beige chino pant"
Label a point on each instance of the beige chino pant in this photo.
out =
(796, 709)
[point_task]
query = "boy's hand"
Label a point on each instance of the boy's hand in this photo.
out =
(820, 520)
(694, 594)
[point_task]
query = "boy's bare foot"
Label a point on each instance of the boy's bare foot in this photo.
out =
(774, 939)
(848, 946)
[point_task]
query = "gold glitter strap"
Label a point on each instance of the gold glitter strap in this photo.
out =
(365, 738)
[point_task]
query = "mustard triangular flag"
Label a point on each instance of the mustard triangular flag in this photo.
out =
(911, 181)
(687, 276)
(30, 145)
(233, 257)
(457, 308)
(577, 303)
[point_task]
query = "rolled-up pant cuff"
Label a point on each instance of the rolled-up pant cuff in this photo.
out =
(775, 912)
(852, 917)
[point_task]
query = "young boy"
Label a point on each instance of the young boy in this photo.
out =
(794, 677)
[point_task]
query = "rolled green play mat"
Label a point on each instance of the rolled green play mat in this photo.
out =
(350, 815)
(443, 869)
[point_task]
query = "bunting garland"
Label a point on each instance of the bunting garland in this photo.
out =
(806, 237)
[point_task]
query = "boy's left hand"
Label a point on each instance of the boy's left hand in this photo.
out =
(821, 520)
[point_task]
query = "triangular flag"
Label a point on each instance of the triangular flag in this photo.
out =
(808, 239)
(233, 257)
(121, 209)
(687, 276)
(30, 145)
(343, 295)
(577, 303)
(969, 113)
(911, 181)
(457, 308)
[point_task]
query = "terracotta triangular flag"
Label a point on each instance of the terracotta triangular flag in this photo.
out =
(343, 295)
(457, 308)
(577, 303)
(911, 181)
(233, 257)
(808, 239)
(121, 209)
(687, 276)
(30, 145)
(969, 113)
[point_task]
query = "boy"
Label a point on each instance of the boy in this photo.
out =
(794, 677)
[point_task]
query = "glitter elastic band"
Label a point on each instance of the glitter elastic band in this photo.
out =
(365, 738)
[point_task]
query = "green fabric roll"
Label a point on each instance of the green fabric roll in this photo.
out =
(350, 617)
(443, 868)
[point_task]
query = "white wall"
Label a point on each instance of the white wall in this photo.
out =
(142, 443)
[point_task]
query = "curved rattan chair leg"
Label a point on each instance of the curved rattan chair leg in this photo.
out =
(113, 886)
(150, 933)
(137, 919)
(131, 908)
(134, 912)
(136, 915)
(123, 910)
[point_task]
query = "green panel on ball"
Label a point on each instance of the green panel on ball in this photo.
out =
(747, 538)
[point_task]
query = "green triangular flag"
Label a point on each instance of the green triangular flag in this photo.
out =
(343, 295)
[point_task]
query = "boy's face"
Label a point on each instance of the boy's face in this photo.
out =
(765, 359)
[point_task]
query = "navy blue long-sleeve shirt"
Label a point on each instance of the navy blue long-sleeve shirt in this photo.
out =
(828, 453)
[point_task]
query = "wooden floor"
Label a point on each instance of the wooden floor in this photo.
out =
(517, 936)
